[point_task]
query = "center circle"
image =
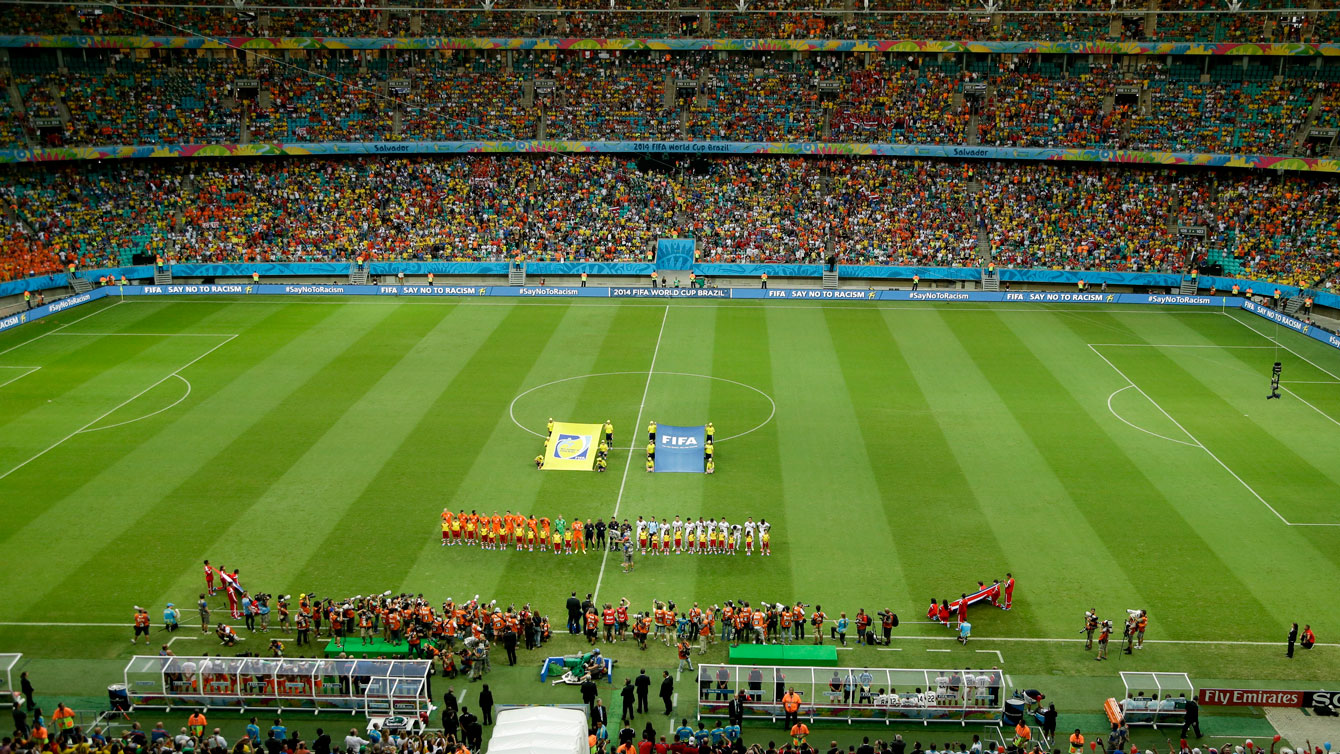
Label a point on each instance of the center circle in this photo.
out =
(772, 405)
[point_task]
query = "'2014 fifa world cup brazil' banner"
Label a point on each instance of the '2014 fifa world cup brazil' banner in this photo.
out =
(680, 449)
(572, 447)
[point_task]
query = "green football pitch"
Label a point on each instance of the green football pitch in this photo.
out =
(1109, 458)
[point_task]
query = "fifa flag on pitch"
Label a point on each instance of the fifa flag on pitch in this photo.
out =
(572, 447)
(681, 449)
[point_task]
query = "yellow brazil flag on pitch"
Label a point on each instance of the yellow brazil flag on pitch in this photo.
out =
(572, 447)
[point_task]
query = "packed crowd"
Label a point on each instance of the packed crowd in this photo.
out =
(1034, 109)
(184, 97)
(899, 100)
(476, 105)
(607, 208)
(796, 210)
(880, 19)
(608, 96)
(1083, 219)
(461, 209)
(22, 256)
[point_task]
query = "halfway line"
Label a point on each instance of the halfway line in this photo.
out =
(604, 559)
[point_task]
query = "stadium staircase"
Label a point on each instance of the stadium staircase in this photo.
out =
(990, 280)
(163, 276)
(80, 285)
(1293, 306)
(16, 103)
(1188, 286)
(358, 276)
(830, 280)
(516, 276)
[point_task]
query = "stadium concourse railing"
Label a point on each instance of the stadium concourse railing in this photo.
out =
(873, 275)
(674, 44)
(771, 148)
(315, 289)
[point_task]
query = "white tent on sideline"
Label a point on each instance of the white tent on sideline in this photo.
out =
(539, 730)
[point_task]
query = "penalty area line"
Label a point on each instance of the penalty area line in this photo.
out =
(995, 652)
(1308, 403)
(26, 371)
(1190, 436)
(1278, 344)
(1132, 425)
(62, 327)
(168, 407)
(118, 406)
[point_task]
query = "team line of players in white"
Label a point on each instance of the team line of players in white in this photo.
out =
(702, 536)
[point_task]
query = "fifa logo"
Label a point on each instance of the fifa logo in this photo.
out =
(572, 447)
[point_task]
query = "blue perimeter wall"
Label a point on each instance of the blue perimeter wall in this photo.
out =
(645, 269)
(234, 289)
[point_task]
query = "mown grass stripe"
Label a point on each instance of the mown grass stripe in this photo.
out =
(83, 376)
(587, 341)
(431, 462)
(205, 503)
(339, 465)
(828, 484)
(748, 480)
(1104, 483)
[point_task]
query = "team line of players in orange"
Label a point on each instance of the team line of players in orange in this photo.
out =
(521, 532)
(498, 532)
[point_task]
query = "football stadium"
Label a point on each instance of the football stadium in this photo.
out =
(649, 376)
